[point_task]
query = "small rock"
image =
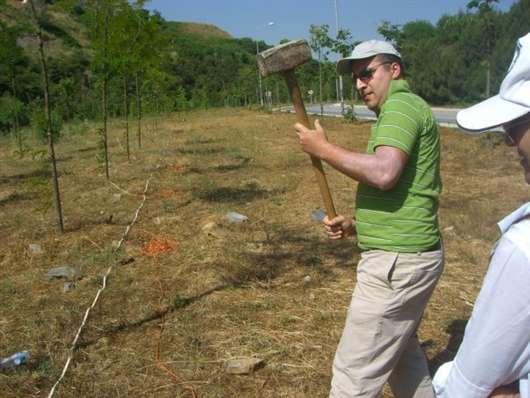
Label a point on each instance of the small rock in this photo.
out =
(35, 248)
(449, 229)
(68, 286)
(243, 366)
(307, 280)
(64, 272)
(234, 217)
(157, 220)
(318, 215)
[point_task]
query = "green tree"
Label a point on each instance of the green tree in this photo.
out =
(38, 15)
(106, 11)
(320, 44)
(128, 32)
(146, 49)
(488, 18)
(101, 16)
(12, 60)
(342, 45)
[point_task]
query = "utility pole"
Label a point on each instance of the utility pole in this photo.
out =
(339, 85)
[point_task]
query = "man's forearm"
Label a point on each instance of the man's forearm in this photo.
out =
(371, 169)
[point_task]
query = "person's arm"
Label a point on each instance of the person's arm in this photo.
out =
(381, 169)
(495, 348)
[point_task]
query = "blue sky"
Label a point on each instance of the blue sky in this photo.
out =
(249, 18)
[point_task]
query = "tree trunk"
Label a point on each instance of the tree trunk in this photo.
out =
(139, 111)
(126, 110)
(47, 111)
(18, 133)
(105, 95)
(105, 116)
(157, 102)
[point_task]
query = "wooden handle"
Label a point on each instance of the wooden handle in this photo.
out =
(301, 116)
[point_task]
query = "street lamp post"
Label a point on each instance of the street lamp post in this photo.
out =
(340, 90)
(259, 74)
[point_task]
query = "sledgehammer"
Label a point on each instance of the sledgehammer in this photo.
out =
(284, 58)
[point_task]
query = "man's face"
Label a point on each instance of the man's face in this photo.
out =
(518, 135)
(372, 78)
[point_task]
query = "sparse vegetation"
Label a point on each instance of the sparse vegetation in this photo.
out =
(220, 290)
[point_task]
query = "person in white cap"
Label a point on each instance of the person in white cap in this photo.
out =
(397, 229)
(494, 357)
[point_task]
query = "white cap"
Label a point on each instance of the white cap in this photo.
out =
(364, 50)
(513, 100)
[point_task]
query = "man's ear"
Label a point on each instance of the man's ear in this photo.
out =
(396, 70)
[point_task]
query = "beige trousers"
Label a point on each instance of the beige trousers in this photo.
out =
(379, 342)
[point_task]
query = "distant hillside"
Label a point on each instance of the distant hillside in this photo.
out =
(205, 31)
(64, 34)
(176, 65)
(65, 31)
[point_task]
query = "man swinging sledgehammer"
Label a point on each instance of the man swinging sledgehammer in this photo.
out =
(397, 228)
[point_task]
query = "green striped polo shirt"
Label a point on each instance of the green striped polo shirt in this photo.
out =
(403, 219)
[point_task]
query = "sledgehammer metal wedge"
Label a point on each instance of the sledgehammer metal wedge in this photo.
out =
(284, 59)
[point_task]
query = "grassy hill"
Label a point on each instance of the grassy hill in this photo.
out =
(66, 34)
(205, 31)
(192, 64)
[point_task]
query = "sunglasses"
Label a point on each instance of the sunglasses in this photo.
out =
(367, 73)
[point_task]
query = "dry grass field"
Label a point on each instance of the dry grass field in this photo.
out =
(194, 290)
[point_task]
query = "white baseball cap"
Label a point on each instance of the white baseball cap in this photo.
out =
(513, 100)
(366, 49)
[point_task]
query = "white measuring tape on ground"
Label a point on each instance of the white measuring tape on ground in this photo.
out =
(104, 285)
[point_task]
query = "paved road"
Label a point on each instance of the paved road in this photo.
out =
(445, 116)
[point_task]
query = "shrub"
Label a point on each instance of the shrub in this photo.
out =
(39, 124)
(8, 107)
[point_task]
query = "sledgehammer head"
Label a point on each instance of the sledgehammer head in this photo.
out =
(283, 57)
